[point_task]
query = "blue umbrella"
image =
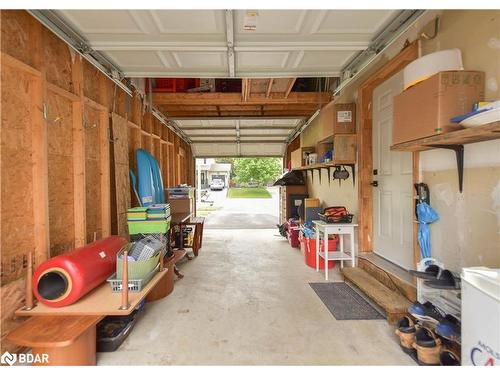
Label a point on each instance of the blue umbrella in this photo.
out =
(425, 215)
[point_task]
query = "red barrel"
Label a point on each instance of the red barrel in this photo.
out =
(64, 279)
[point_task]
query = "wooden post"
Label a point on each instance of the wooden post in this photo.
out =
(29, 277)
(125, 305)
(79, 195)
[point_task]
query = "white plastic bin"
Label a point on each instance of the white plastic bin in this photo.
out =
(480, 316)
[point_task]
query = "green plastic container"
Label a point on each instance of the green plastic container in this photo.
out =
(139, 269)
(148, 226)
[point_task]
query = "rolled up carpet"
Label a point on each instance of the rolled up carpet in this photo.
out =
(64, 279)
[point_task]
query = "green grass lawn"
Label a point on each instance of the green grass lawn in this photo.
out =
(248, 193)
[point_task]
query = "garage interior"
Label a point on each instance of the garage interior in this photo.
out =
(83, 90)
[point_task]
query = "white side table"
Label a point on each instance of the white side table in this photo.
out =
(342, 230)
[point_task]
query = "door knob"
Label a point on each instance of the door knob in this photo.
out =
(374, 183)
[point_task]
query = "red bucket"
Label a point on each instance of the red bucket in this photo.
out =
(309, 249)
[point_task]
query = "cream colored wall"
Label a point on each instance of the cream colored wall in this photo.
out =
(468, 232)
(346, 194)
(330, 194)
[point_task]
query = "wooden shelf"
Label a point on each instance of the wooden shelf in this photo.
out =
(101, 301)
(329, 164)
(460, 137)
(454, 141)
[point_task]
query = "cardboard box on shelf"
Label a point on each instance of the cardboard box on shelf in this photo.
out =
(344, 148)
(344, 118)
(298, 156)
(180, 205)
(425, 109)
(311, 202)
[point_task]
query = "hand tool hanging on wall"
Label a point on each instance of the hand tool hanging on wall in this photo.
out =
(340, 173)
(422, 194)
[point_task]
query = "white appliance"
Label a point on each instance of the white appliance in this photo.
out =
(480, 316)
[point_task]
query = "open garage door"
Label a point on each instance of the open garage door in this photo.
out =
(249, 137)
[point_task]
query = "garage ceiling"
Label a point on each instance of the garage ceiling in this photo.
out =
(215, 43)
(268, 49)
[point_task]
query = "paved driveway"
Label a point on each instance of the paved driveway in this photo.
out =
(250, 213)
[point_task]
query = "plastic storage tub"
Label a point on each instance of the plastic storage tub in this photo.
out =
(134, 285)
(148, 226)
(309, 249)
(113, 330)
(138, 269)
(292, 235)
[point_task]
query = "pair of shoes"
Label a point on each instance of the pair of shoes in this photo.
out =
(428, 347)
(426, 312)
(438, 278)
(449, 328)
(449, 357)
(405, 330)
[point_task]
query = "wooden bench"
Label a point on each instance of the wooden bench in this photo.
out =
(65, 340)
(198, 233)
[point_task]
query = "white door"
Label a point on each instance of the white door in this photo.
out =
(392, 198)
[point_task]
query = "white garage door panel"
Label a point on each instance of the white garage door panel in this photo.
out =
(214, 149)
(200, 21)
(262, 149)
(194, 43)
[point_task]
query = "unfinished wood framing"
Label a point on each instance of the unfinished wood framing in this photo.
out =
(55, 152)
(264, 101)
(365, 157)
(121, 167)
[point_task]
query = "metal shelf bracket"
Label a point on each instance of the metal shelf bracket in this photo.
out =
(459, 154)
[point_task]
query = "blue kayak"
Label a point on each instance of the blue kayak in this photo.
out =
(150, 185)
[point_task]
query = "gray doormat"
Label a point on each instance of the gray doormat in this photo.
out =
(344, 302)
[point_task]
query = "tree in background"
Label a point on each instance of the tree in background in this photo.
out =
(258, 170)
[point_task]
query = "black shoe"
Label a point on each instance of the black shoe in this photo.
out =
(426, 312)
(430, 272)
(445, 280)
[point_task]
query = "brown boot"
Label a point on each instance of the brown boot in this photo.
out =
(406, 329)
(428, 347)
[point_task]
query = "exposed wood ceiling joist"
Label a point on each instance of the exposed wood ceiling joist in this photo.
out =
(217, 98)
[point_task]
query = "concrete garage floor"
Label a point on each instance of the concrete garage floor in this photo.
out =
(246, 301)
(246, 213)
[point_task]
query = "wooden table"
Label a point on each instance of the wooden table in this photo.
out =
(180, 218)
(341, 230)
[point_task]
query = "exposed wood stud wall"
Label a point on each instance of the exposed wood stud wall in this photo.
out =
(56, 165)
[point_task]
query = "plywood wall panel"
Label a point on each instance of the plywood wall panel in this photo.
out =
(57, 61)
(60, 174)
(12, 296)
(91, 82)
(18, 34)
(146, 142)
(17, 237)
(121, 171)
